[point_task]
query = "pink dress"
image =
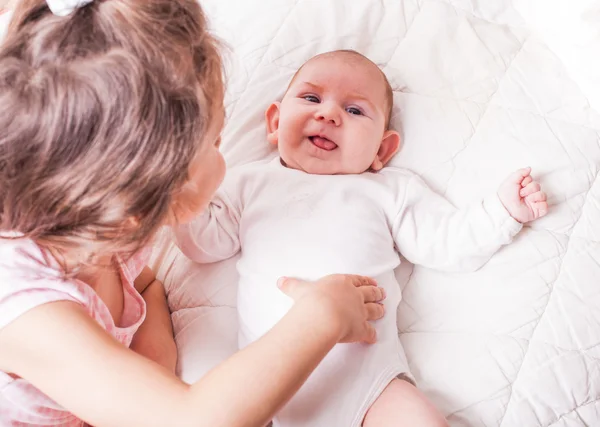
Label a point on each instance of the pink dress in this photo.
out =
(25, 284)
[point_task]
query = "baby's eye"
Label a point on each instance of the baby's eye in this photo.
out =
(311, 98)
(354, 110)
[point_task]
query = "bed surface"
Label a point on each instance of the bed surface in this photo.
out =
(480, 88)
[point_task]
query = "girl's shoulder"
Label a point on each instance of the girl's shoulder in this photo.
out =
(28, 279)
(21, 258)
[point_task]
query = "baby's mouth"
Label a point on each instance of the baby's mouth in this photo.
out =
(323, 143)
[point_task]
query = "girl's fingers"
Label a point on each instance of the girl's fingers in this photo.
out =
(290, 286)
(370, 334)
(362, 281)
(375, 311)
(372, 293)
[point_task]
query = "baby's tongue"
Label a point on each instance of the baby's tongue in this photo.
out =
(323, 143)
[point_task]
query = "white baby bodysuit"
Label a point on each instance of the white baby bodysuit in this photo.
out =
(290, 223)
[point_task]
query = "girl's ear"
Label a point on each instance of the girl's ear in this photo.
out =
(390, 144)
(272, 119)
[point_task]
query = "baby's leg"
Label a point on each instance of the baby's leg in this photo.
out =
(402, 404)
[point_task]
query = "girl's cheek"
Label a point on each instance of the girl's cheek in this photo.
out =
(223, 169)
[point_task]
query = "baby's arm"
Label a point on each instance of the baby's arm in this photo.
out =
(214, 235)
(431, 232)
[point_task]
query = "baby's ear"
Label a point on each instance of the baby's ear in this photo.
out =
(272, 119)
(390, 144)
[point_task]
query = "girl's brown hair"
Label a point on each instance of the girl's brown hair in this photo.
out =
(101, 113)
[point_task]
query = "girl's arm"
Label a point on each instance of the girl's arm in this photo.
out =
(67, 355)
(154, 339)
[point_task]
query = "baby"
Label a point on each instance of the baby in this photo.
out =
(328, 205)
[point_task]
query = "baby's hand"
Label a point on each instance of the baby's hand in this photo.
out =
(522, 196)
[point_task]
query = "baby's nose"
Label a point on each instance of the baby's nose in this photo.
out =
(329, 113)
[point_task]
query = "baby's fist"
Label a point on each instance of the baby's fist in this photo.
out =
(522, 196)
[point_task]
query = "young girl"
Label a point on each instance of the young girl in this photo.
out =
(110, 114)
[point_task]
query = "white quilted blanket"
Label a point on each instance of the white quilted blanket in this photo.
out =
(481, 88)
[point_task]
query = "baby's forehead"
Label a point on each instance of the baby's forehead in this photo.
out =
(338, 62)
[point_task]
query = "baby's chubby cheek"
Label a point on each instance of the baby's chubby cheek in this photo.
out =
(358, 161)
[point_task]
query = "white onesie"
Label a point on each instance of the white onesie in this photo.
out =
(289, 223)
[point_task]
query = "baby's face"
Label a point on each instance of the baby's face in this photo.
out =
(332, 120)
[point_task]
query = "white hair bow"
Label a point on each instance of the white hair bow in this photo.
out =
(65, 7)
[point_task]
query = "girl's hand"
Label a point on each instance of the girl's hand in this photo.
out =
(347, 303)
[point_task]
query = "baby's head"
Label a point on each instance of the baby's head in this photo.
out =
(110, 121)
(334, 117)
